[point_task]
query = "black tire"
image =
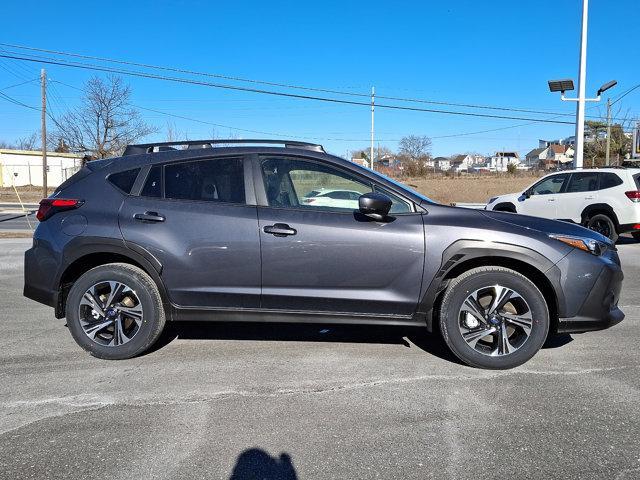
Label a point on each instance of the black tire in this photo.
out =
(603, 224)
(486, 277)
(146, 292)
(636, 235)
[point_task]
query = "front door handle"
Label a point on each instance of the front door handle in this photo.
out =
(149, 217)
(551, 199)
(280, 230)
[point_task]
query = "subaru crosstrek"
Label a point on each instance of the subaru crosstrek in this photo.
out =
(225, 231)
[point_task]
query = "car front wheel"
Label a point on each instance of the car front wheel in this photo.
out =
(603, 225)
(115, 311)
(494, 317)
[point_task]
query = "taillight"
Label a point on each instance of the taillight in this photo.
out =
(51, 206)
(633, 195)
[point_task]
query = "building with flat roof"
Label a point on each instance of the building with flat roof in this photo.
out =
(24, 167)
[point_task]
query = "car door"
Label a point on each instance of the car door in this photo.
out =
(194, 218)
(581, 191)
(328, 258)
(541, 200)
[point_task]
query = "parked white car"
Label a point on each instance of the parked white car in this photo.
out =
(606, 200)
(327, 197)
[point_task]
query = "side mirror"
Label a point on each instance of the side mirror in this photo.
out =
(374, 205)
(527, 193)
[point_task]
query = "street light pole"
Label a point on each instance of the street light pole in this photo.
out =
(582, 80)
(607, 163)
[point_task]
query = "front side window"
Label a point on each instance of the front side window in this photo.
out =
(549, 185)
(583, 182)
(212, 180)
(296, 183)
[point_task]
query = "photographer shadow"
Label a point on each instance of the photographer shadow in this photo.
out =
(256, 464)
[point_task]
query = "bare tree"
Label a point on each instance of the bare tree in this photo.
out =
(104, 123)
(31, 142)
(6, 145)
(415, 147)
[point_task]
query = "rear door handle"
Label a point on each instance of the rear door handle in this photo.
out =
(149, 217)
(280, 230)
(551, 199)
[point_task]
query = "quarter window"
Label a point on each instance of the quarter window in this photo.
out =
(609, 180)
(583, 182)
(124, 180)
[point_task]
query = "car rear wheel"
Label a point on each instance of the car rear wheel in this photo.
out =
(115, 311)
(494, 317)
(603, 225)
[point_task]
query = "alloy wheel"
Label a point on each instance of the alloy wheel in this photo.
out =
(110, 313)
(495, 320)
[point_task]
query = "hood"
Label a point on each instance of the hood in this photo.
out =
(545, 225)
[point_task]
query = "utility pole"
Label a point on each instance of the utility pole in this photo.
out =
(582, 85)
(608, 131)
(373, 107)
(43, 88)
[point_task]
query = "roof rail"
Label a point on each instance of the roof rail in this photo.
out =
(162, 146)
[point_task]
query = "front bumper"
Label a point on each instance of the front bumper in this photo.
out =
(600, 308)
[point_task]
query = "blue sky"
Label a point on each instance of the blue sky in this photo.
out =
(481, 52)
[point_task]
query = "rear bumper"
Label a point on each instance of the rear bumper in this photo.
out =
(629, 227)
(600, 308)
(40, 267)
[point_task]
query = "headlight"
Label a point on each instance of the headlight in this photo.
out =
(492, 199)
(587, 244)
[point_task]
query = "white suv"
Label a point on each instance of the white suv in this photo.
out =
(606, 200)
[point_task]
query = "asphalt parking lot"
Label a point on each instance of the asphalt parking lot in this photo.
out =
(221, 401)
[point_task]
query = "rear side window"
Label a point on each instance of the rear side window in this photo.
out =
(124, 180)
(637, 179)
(214, 180)
(609, 180)
(583, 182)
(153, 183)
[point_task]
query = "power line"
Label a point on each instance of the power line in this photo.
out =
(284, 85)
(270, 92)
(189, 72)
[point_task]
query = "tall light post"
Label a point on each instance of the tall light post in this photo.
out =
(582, 85)
(567, 85)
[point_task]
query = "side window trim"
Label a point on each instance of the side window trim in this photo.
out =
(261, 194)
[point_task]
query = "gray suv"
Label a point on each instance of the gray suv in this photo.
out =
(245, 231)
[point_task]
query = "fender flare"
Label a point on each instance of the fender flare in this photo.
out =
(462, 251)
(81, 247)
(596, 208)
(505, 207)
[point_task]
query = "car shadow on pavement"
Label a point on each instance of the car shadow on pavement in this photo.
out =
(409, 337)
(255, 463)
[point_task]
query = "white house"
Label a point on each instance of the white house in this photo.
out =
(465, 163)
(442, 163)
(24, 167)
(501, 160)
